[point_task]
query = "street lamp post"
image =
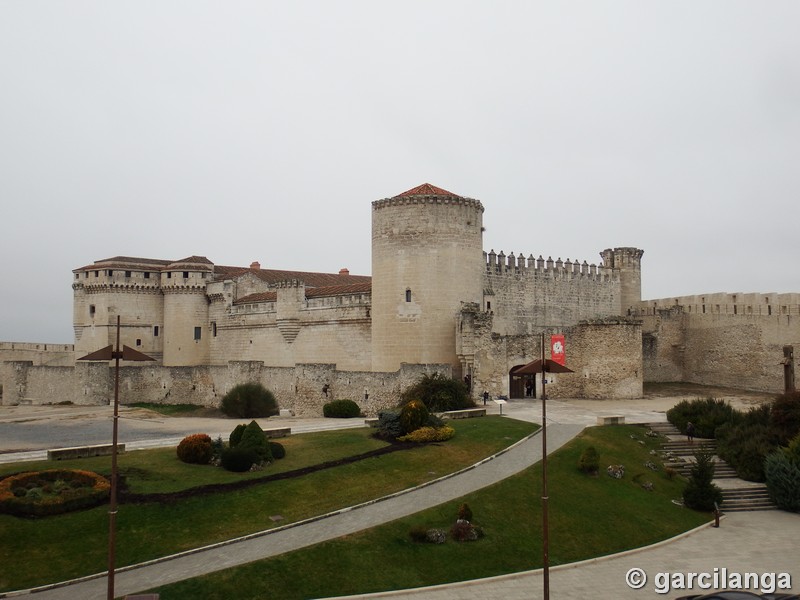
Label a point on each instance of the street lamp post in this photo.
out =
(108, 353)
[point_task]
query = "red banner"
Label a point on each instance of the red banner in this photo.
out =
(557, 352)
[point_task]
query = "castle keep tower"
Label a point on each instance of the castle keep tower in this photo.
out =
(628, 263)
(427, 258)
(186, 338)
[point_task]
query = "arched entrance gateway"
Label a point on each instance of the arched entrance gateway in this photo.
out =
(521, 385)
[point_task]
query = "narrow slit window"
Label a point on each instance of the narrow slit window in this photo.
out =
(408, 295)
(197, 333)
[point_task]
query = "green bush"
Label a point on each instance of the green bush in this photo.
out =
(745, 443)
(277, 450)
(239, 459)
(785, 417)
(341, 409)
(439, 393)
(254, 439)
(413, 415)
(706, 414)
(236, 435)
(700, 493)
(196, 449)
(783, 480)
(389, 427)
(589, 462)
(248, 401)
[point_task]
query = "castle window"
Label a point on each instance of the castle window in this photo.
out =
(488, 305)
(109, 272)
(197, 333)
(769, 309)
(138, 341)
(86, 275)
(147, 274)
(97, 273)
(127, 273)
(169, 274)
(155, 331)
(77, 275)
(91, 310)
(408, 295)
(214, 328)
(186, 274)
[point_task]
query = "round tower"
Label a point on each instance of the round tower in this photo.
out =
(627, 263)
(186, 323)
(427, 259)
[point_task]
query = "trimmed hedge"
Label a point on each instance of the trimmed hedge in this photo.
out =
(52, 492)
(429, 434)
(341, 409)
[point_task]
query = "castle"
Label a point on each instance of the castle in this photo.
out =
(436, 300)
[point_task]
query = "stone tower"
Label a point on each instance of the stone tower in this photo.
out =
(187, 328)
(427, 258)
(627, 263)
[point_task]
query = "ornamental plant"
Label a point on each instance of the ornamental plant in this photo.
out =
(196, 449)
(341, 409)
(51, 492)
(413, 415)
(589, 461)
(249, 400)
(429, 434)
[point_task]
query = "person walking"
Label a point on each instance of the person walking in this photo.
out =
(690, 432)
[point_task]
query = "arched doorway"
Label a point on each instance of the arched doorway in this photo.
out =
(521, 385)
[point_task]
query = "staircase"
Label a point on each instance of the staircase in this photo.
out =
(737, 495)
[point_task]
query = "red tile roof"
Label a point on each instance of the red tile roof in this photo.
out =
(273, 276)
(317, 292)
(426, 189)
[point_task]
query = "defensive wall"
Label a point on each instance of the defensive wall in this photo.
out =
(605, 355)
(54, 355)
(733, 340)
(303, 388)
(526, 294)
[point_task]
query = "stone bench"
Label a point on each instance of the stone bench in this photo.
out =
(278, 432)
(84, 451)
(611, 420)
(467, 413)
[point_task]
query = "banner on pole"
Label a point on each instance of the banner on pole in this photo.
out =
(557, 352)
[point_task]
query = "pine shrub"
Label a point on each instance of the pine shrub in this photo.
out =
(700, 493)
(254, 439)
(389, 427)
(341, 409)
(248, 401)
(589, 461)
(236, 435)
(783, 480)
(196, 449)
(413, 415)
(239, 459)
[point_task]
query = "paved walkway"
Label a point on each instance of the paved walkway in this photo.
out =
(747, 542)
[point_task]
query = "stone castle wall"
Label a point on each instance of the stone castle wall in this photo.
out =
(733, 340)
(298, 388)
(53, 355)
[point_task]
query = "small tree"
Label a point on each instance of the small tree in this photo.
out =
(439, 393)
(700, 493)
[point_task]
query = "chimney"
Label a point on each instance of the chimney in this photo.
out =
(344, 272)
(255, 265)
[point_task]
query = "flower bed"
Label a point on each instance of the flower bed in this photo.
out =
(42, 493)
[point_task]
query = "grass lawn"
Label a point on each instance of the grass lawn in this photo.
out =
(589, 516)
(38, 551)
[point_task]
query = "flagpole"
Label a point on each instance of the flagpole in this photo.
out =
(545, 528)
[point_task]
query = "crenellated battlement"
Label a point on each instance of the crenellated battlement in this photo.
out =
(502, 264)
(724, 304)
(427, 199)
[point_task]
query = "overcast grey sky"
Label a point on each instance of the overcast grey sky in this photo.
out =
(247, 131)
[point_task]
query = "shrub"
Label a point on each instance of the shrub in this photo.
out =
(783, 480)
(706, 414)
(196, 449)
(785, 417)
(254, 439)
(249, 400)
(239, 459)
(413, 415)
(463, 531)
(439, 393)
(700, 493)
(69, 490)
(341, 409)
(389, 427)
(236, 435)
(745, 443)
(589, 461)
(465, 512)
(429, 434)
(277, 450)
